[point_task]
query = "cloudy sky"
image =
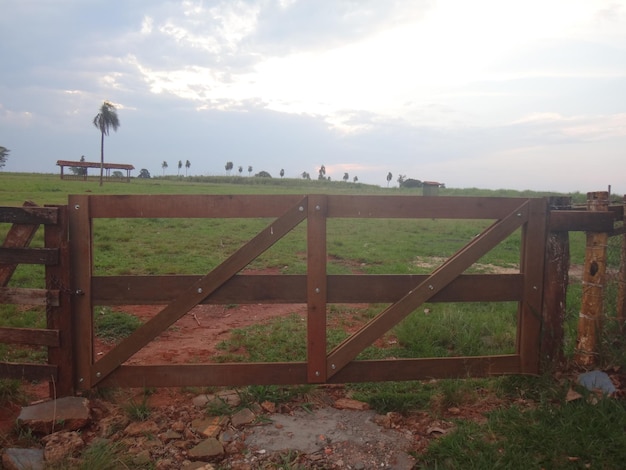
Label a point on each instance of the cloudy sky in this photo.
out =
(485, 93)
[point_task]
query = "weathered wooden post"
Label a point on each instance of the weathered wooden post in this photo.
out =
(621, 293)
(590, 317)
(556, 279)
(59, 317)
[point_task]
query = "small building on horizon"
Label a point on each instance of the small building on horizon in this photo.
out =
(83, 164)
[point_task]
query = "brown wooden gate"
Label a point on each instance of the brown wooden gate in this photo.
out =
(317, 288)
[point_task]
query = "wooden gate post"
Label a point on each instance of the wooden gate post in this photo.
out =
(556, 279)
(60, 317)
(590, 317)
(621, 294)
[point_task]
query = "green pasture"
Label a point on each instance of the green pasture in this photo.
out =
(582, 435)
(363, 246)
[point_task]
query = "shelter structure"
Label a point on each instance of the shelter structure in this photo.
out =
(107, 169)
(431, 188)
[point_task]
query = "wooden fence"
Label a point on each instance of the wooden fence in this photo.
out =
(54, 256)
(538, 288)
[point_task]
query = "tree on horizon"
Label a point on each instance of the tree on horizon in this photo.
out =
(322, 173)
(389, 176)
(187, 165)
(282, 172)
(4, 155)
(164, 166)
(180, 165)
(346, 177)
(249, 170)
(105, 120)
(228, 167)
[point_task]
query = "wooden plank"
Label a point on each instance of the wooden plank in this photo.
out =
(15, 295)
(418, 207)
(59, 315)
(446, 273)
(29, 214)
(225, 206)
(291, 373)
(198, 291)
(581, 221)
(31, 336)
(291, 289)
(534, 238)
(80, 249)
(29, 255)
(30, 372)
(18, 236)
(391, 288)
(198, 375)
(316, 289)
(191, 206)
(427, 368)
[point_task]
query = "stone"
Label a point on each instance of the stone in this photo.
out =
(269, 406)
(142, 458)
(178, 426)
(210, 427)
(170, 435)
(63, 414)
(230, 397)
(61, 445)
(227, 436)
(200, 466)
(141, 428)
(112, 424)
(243, 416)
(201, 400)
(23, 459)
(350, 404)
(206, 449)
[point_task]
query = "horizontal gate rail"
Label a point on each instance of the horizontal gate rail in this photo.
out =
(291, 288)
(227, 284)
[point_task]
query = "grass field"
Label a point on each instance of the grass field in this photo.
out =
(582, 435)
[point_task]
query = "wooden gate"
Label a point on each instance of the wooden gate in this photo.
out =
(317, 288)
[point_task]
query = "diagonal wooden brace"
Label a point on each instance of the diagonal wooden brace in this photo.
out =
(440, 278)
(198, 291)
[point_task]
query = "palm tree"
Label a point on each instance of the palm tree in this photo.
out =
(228, 166)
(240, 169)
(187, 165)
(249, 170)
(346, 177)
(389, 176)
(322, 173)
(282, 173)
(105, 120)
(164, 166)
(180, 165)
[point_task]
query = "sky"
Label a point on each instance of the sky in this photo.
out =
(488, 94)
